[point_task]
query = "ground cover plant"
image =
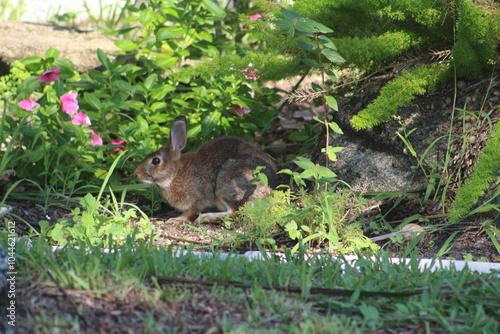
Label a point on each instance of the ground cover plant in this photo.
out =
(69, 142)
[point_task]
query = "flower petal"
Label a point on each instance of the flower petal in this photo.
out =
(28, 104)
(96, 140)
(121, 143)
(81, 119)
(256, 16)
(69, 103)
(50, 76)
(240, 111)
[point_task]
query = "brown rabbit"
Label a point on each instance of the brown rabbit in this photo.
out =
(217, 174)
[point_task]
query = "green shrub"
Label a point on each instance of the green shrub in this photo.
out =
(399, 92)
(486, 170)
(134, 101)
(475, 48)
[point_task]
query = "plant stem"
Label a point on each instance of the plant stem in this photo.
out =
(325, 105)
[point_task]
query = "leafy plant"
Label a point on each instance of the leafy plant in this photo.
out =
(99, 225)
(324, 218)
(485, 171)
(49, 134)
(323, 48)
(129, 105)
(398, 93)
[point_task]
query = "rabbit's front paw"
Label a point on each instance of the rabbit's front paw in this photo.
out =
(180, 219)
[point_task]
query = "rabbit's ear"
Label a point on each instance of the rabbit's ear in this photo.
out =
(178, 137)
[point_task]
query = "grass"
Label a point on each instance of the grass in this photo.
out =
(144, 289)
(12, 10)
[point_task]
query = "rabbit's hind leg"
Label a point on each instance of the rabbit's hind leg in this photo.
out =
(213, 216)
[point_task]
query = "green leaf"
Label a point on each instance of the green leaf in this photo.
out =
(316, 87)
(285, 25)
(332, 102)
(36, 155)
(103, 59)
(59, 87)
(332, 156)
(160, 118)
(27, 87)
(335, 148)
(289, 15)
(308, 174)
(52, 53)
(335, 128)
(160, 92)
(325, 172)
(309, 27)
(127, 45)
(49, 110)
(331, 75)
(319, 27)
(125, 86)
(98, 76)
(165, 61)
(369, 312)
(304, 163)
(141, 123)
(307, 45)
(146, 16)
(32, 63)
(58, 235)
(214, 8)
(333, 56)
(92, 100)
(327, 42)
(169, 32)
(305, 228)
(151, 80)
(319, 119)
(210, 123)
(311, 63)
(305, 28)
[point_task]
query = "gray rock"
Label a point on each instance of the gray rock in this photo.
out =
(377, 159)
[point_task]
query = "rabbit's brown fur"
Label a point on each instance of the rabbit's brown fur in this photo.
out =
(217, 174)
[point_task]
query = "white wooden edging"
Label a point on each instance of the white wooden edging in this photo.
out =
(479, 267)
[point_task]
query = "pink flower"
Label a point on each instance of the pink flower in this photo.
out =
(28, 104)
(252, 73)
(81, 119)
(122, 143)
(96, 140)
(254, 17)
(50, 76)
(240, 111)
(69, 103)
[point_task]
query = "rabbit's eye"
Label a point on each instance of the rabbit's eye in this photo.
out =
(156, 161)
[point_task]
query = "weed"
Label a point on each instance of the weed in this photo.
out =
(323, 218)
